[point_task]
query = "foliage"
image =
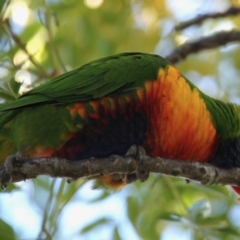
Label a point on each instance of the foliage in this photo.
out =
(59, 35)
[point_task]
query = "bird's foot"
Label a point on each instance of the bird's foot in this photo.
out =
(139, 154)
(118, 180)
(210, 176)
(6, 177)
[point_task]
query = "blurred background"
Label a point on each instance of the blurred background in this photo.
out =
(42, 39)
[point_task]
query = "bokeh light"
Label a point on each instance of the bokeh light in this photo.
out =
(20, 13)
(93, 3)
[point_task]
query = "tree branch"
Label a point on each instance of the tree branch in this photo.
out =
(232, 11)
(23, 47)
(209, 42)
(55, 167)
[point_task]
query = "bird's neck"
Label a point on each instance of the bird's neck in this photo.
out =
(225, 117)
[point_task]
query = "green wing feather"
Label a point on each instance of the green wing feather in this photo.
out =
(117, 74)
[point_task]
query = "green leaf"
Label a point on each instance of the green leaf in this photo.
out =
(116, 235)
(228, 230)
(6, 95)
(2, 3)
(133, 209)
(170, 217)
(6, 231)
(14, 87)
(9, 88)
(95, 224)
(10, 188)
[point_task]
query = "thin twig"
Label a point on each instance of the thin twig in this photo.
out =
(4, 9)
(209, 42)
(51, 41)
(232, 11)
(22, 46)
(47, 210)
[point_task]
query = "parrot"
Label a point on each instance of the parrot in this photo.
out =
(104, 107)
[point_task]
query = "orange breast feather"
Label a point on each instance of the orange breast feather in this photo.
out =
(181, 124)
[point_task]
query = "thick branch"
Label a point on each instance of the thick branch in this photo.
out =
(54, 167)
(200, 18)
(209, 42)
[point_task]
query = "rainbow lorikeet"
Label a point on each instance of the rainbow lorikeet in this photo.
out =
(107, 105)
